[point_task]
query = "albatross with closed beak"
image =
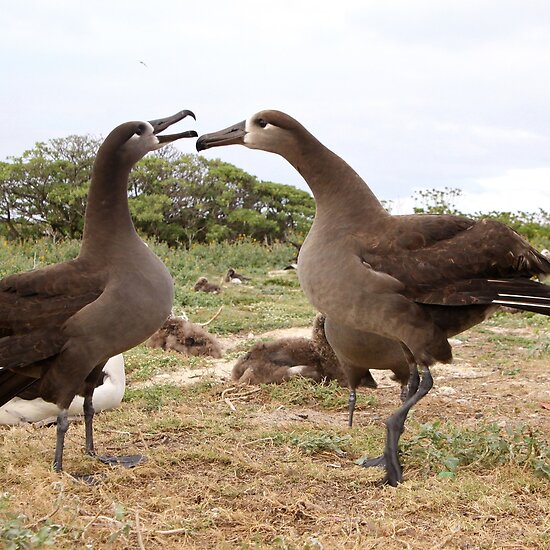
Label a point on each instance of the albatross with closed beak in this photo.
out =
(402, 283)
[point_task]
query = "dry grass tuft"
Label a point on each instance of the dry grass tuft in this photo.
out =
(261, 474)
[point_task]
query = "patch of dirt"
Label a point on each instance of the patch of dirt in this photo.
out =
(484, 382)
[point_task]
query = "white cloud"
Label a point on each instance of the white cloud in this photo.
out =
(518, 190)
(412, 94)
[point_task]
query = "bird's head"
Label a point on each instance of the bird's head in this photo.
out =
(131, 141)
(268, 130)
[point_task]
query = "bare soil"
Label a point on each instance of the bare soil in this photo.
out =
(473, 387)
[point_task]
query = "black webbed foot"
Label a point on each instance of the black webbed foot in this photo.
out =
(379, 461)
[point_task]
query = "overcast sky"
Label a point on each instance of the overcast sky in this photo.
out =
(412, 94)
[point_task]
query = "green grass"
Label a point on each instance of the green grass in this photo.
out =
(312, 443)
(154, 397)
(444, 448)
(277, 470)
(304, 391)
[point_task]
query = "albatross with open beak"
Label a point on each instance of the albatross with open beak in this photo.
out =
(59, 325)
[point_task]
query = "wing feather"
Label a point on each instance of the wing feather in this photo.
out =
(451, 260)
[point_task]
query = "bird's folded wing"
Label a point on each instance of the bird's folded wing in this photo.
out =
(45, 297)
(12, 384)
(67, 278)
(484, 250)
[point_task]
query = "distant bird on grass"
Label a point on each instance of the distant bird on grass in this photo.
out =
(233, 277)
(202, 285)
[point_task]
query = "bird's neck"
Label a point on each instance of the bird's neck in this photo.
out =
(339, 192)
(107, 221)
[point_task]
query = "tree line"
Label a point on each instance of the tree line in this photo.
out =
(181, 199)
(174, 197)
(534, 226)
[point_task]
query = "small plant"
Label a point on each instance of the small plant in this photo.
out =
(123, 525)
(312, 443)
(485, 446)
(14, 534)
(511, 372)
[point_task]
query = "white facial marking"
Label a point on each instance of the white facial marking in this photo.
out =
(249, 129)
(255, 136)
(144, 142)
(248, 125)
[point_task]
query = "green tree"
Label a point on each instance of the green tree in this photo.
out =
(436, 201)
(44, 190)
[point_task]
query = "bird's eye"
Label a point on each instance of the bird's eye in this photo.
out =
(262, 123)
(140, 129)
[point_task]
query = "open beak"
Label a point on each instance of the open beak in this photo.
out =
(161, 124)
(232, 135)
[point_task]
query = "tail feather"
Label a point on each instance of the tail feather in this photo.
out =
(526, 295)
(519, 293)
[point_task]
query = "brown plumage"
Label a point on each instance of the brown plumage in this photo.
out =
(278, 361)
(404, 283)
(59, 325)
(233, 276)
(545, 278)
(202, 285)
(286, 358)
(186, 338)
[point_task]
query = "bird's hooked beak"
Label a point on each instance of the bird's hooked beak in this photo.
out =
(232, 135)
(161, 124)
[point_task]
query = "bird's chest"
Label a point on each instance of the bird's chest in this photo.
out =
(321, 272)
(151, 286)
(140, 292)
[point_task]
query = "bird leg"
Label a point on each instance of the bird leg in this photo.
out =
(351, 405)
(62, 427)
(89, 412)
(414, 377)
(128, 460)
(395, 424)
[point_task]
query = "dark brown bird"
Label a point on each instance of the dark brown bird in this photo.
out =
(202, 285)
(59, 325)
(414, 279)
(185, 337)
(286, 358)
(278, 361)
(233, 277)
